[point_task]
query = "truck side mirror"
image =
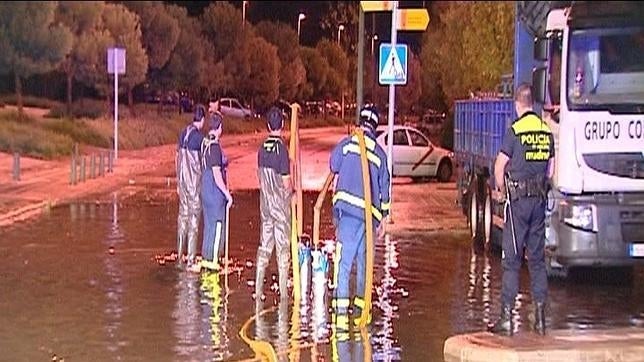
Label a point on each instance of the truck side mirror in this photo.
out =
(539, 84)
(541, 46)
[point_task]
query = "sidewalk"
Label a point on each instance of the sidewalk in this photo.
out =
(625, 345)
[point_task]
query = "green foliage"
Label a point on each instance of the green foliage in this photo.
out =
(407, 96)
(19, 133)
(85, 108)
(256, 71)
(336, 81)
(30, 101)
(160, 31)
(468, 47)
(31, 42)
(292, 72)
(78, 130)
(223, 28)
(342, 13)
(317, 72)
(83, 19)
(187, 65)
(125, 31)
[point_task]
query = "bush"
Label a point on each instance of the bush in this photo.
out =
(21, 134)
(30, 101)
(85, 108)
(78, 130)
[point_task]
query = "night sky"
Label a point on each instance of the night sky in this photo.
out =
(311, 33)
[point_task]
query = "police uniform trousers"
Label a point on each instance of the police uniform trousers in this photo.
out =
(351, 245)
(214, 212)
(529, 227)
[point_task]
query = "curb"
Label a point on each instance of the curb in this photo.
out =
(26, 212)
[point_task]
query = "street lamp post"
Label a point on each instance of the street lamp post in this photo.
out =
(340, 28)
(299, 21)
(244, 3)
(373, 39)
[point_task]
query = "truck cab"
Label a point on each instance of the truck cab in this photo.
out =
(585, 62)
(591, 86)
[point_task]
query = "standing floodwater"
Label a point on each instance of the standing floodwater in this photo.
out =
(82, 283)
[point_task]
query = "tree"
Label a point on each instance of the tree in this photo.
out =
(336, 82)
(407, 96)
(469, 47)
(255, 66)
(83, 19)
(191, 63)
(125, 30)
(160, 32)
(30, 40)
(317, 71)
(222, 26)
(343, 13)
(292, 72)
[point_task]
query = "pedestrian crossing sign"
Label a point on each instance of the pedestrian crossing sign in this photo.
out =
(393, 64)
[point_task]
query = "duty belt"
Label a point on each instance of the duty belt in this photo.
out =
(533, 187)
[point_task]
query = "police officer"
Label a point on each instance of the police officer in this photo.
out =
(189, 169)
(274, 170)
(528, 150)
(214, 193)
(349, 213)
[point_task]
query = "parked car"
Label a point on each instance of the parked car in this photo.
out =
(415, 156)
(432, 122)
(232, 107)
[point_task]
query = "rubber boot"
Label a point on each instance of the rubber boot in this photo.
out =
(504, 325)
(181, 245)
(540, 318)
(259, 282)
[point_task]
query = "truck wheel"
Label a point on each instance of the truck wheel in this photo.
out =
(473, 216)
(487, 216)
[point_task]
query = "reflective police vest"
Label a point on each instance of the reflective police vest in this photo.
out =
(349, 194)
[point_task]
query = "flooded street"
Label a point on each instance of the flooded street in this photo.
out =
(82, 283)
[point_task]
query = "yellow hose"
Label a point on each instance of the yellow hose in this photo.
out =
(366, 183)
(318, 207)
(295, 208)
(262, 349)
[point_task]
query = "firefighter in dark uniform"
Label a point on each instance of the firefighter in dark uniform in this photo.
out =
(189, 169)
(275, 190)
(349, 212)
(528, 151)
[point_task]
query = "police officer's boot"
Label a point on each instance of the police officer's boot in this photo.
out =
(540, 318)
(504, 324)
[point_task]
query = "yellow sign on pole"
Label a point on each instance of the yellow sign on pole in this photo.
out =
(368, 6)
(413, 19)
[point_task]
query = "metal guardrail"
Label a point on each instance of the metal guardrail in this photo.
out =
(99, 165)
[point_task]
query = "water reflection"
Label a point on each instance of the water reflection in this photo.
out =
(479, 288)
(114, 286)
(215, 308)
(123, 306)
(386, 345)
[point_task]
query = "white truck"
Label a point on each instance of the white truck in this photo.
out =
(587, 69)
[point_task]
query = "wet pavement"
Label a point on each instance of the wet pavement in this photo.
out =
(81, 283)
